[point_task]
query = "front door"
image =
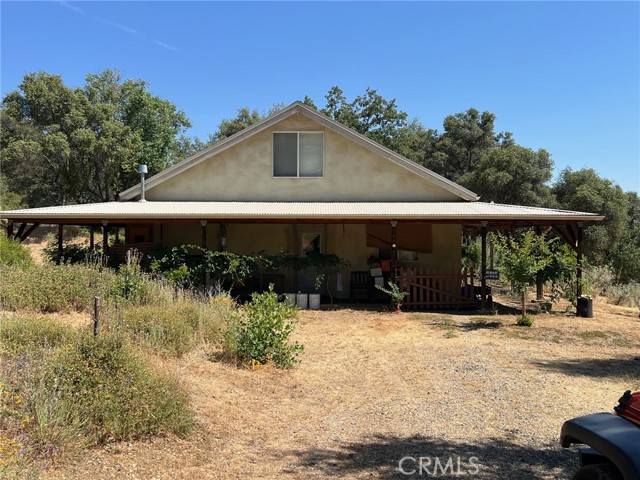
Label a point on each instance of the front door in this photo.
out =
(310, 241)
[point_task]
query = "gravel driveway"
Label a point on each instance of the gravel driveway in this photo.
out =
(375, 388)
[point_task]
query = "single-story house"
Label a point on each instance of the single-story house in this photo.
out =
(300, 182)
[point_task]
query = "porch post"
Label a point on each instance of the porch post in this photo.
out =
(579, 261)
(203, 223)
(10, 229)
(60, 234)
(483, 266)
(91, 238)
(394, 250)
(105, 238)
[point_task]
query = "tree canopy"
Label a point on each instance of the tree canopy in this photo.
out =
(512, 174)
(584, 190)
(71, 145)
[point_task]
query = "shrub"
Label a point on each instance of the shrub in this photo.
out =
(20, 334)
(99, 387)
(72, 253)
(53, 288)
(599, 279)
(524, 320)
(176, 328)
(132, 284)
(261, 332)
(625, 294)
(13, 252)
(397, 296)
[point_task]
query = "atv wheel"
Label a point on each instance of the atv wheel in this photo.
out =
(598, 471)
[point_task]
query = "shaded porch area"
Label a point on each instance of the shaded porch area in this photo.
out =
(416, 245)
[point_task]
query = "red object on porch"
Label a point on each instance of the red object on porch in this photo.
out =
(386, 265)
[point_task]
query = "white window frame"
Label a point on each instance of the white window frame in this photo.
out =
(273, 153)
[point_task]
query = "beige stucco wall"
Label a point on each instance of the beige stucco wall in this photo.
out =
(347, 241)
(245, 173)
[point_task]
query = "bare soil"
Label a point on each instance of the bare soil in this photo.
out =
(376, 387)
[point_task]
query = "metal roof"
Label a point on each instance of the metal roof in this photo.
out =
(293, 109)
(427, 211)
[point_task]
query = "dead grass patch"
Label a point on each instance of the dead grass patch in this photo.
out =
(374, 387)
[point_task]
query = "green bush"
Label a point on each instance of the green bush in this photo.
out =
(100, 388)
(53, 288)
(524, 320)
(132, 284)
(24, 333)
(261, 332)
(625, 294)
(397, 296)
(13, 252)
(598, 279)
(72, 253)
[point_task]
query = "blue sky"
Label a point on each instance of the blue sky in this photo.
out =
(564, 76)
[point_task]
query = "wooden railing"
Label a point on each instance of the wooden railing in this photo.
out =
(436, 287)
(119, 250)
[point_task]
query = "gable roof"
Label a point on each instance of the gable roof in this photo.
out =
(299, 108)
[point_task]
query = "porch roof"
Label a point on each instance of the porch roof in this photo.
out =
(285, 212)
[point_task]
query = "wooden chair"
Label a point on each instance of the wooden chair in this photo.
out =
(361, 286)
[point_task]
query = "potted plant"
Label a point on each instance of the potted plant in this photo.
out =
(397, 296)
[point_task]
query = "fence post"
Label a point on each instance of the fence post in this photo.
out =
(96, 315)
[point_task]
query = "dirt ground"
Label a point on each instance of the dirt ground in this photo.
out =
(374, 388)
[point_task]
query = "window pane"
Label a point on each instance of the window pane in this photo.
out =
(310, 244)
(311, 154)
(285, 146)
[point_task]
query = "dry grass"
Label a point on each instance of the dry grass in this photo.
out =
(373, 388)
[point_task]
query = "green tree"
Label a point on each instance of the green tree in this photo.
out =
(230, 126)
(522, 257)
(466, 138)
(8, 200)
(584, 190)
(625, 259)
(513, 175)
(62, 145)
(369, 114)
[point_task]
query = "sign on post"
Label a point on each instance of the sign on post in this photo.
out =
(492, 275)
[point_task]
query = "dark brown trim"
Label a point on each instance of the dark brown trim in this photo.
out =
(20, 231)
(483, 267)
(562, 234)
(579, 261)
(28, 232)
(60, 245)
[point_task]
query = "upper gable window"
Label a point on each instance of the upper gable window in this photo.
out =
(298, 154)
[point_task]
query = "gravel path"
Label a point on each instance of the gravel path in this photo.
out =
(375, 388)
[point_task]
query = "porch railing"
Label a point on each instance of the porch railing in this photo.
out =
(436, 287)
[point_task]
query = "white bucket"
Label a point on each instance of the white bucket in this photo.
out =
(290, 299)
(302, 300)
(314, 301)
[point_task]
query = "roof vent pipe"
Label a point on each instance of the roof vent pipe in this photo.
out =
(142, 169)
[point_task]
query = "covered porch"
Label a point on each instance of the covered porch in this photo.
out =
(417, 245)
